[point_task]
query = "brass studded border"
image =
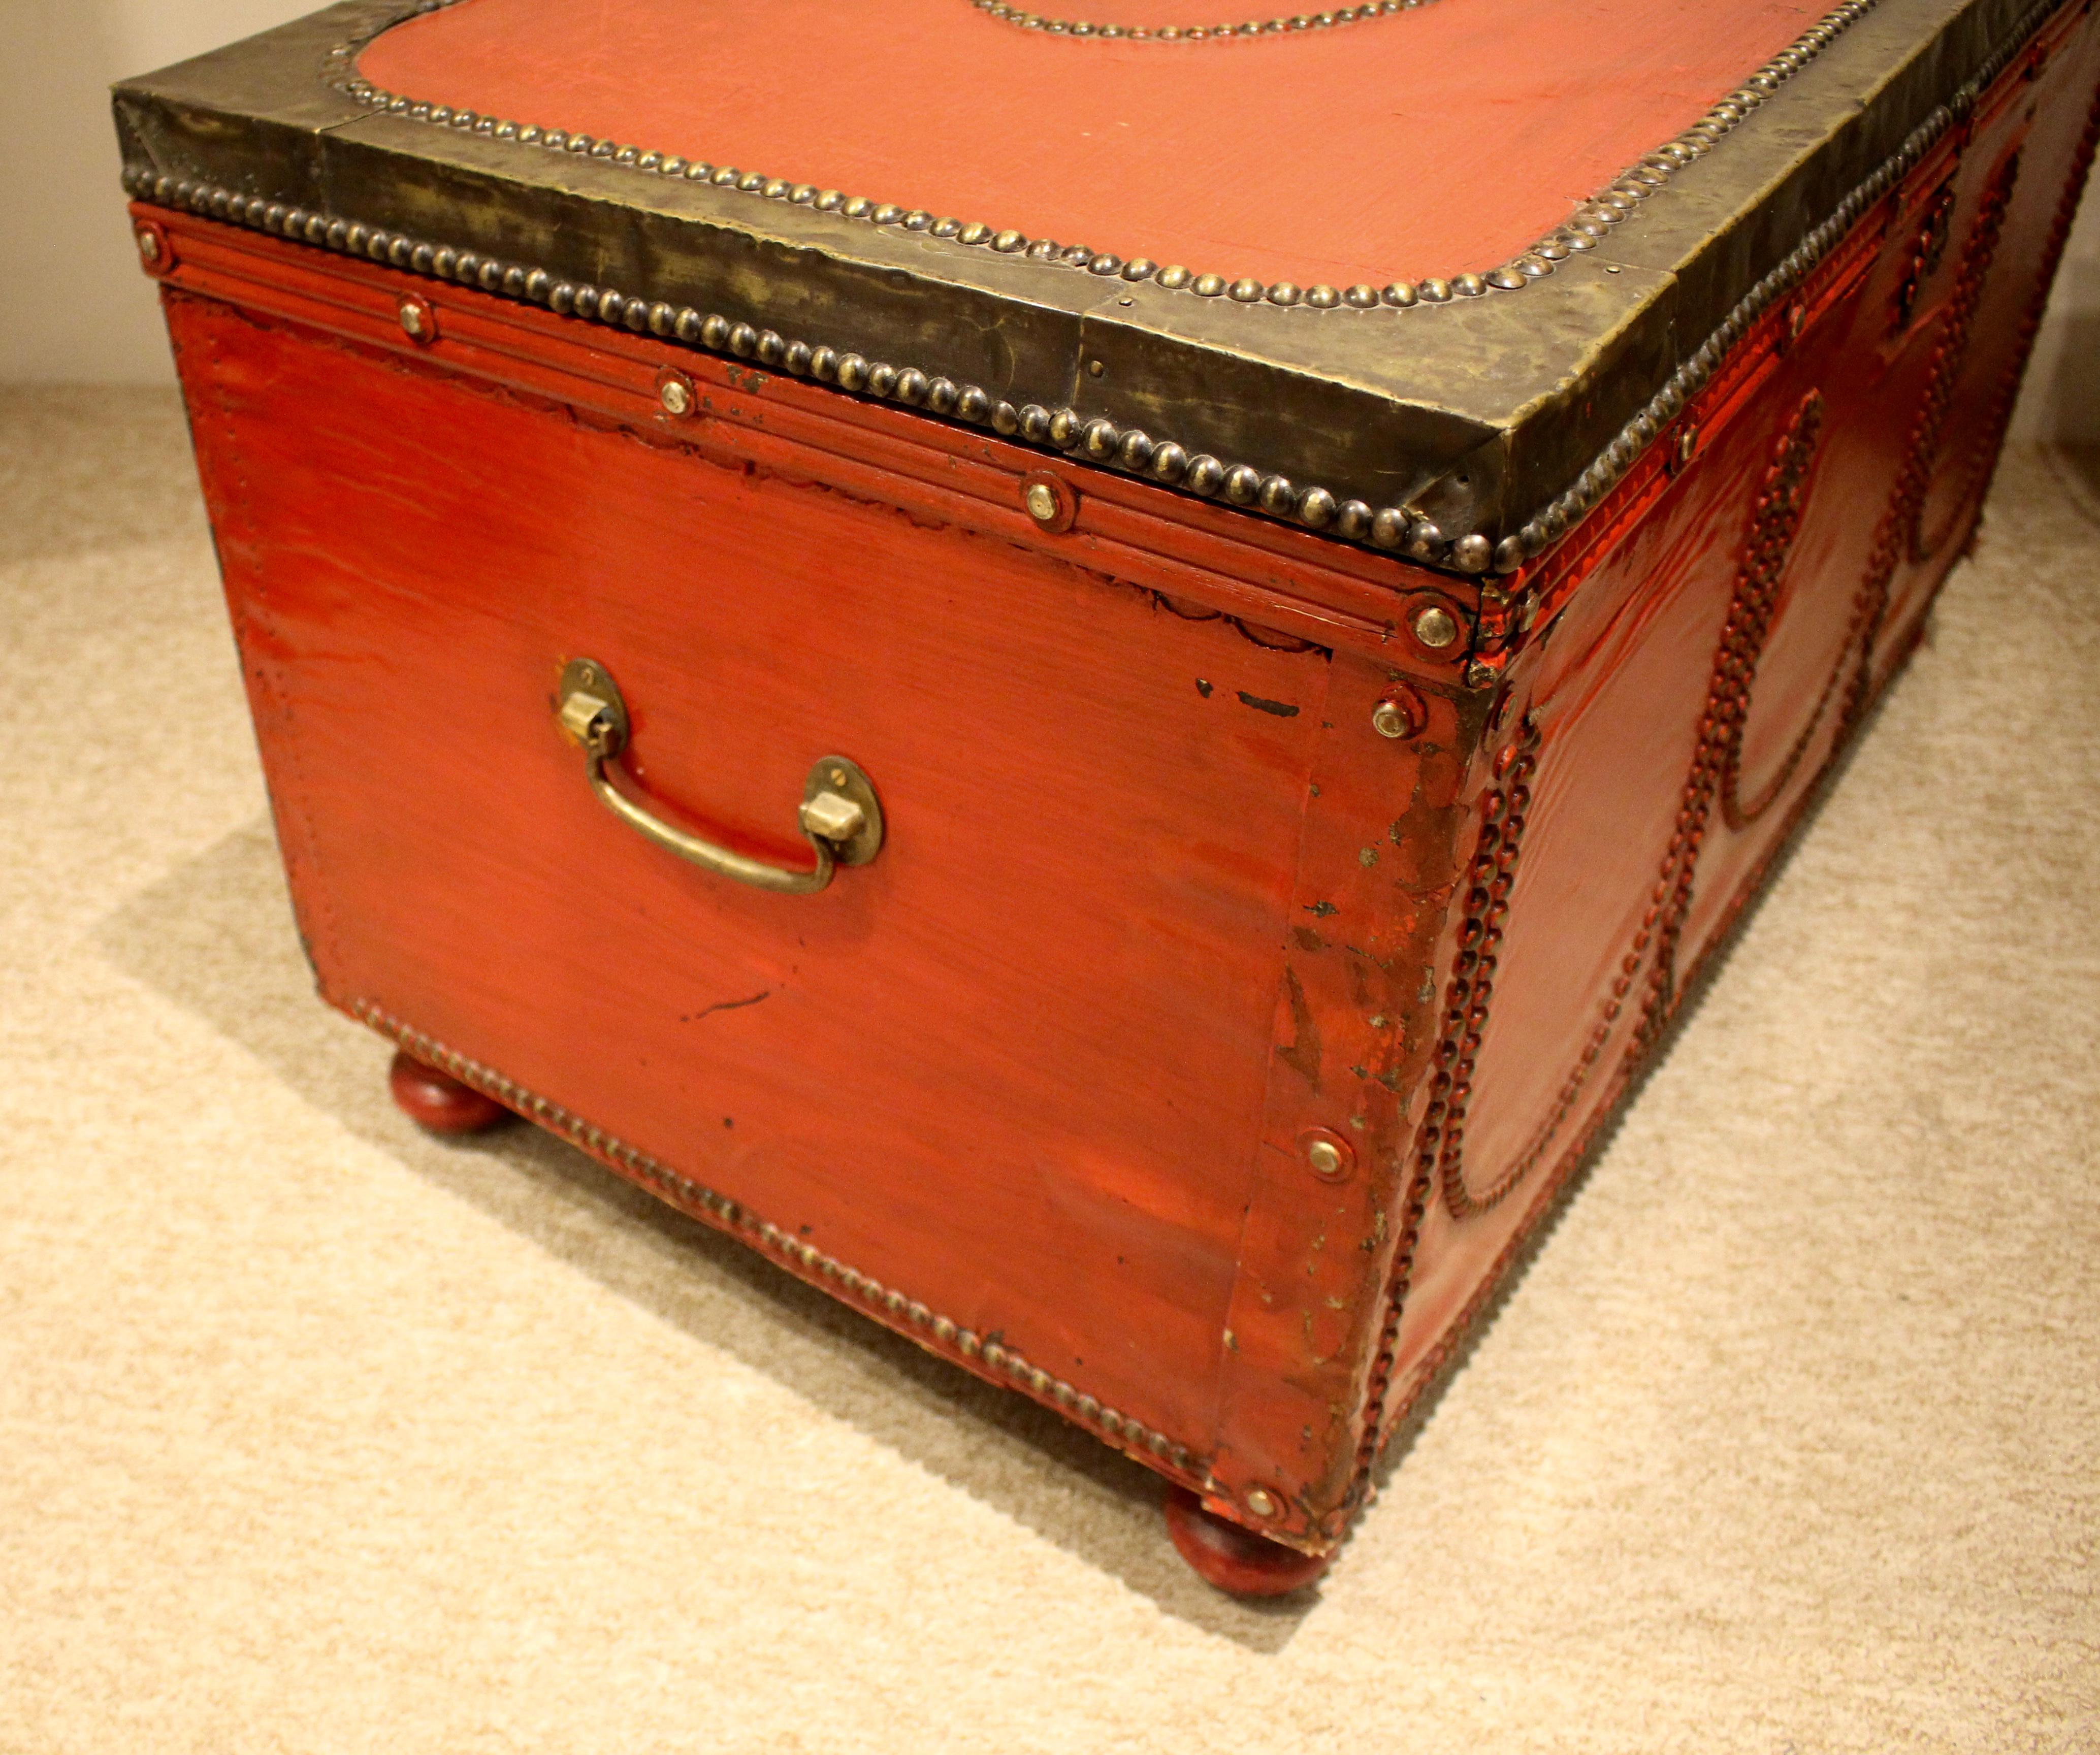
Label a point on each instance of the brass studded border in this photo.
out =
(1394, 529)
(1727, 697)
(1400, 529)
(1989, 439)
(930, 1330)
(1650, 959)
(1584, 230)
(1774, 523)
(1542, 531)
(1080, 28)
(1957, 331)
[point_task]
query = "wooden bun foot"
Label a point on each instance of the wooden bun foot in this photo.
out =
(439, 1102)
(1236, 1560)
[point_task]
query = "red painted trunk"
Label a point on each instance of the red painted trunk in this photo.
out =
(1262, 926)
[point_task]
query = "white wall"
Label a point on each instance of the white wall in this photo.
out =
(74, 308)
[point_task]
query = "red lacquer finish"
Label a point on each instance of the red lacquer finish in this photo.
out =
(1232, 156)
(1240, 976)
(440, 1102)
(1232, 1557)
(1735, 619)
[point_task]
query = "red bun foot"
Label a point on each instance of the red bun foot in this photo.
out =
(439, 1102)
(1236, 1560)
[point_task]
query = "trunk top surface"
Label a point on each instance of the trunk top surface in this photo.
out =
(1234, 156)
(1427, 279)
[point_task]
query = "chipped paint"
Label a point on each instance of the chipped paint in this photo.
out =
(1282, 709)
(1303, 1052)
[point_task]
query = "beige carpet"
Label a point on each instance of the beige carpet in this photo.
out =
(316, 1435)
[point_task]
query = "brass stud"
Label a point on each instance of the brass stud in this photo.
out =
(419, 322)
(1042, 502)
(676, 396)
(1261, 1501)
(1351, 519)
(1328, 1156)
(149, 245)
(1402, 713)
(1436, 628)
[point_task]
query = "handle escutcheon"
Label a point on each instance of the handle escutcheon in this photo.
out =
(840, 817)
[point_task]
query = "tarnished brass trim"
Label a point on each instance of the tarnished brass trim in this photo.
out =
(1590, 222)
(1063, 429)
(1392, 528)
(935, 1332)
(1023, 19)
(840, 817)
(1545, 528)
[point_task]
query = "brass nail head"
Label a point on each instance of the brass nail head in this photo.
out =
(1402, 713)
(1480, 676)
(1328, 1155)
(1261, 1501)
(149, 246)
(676, 398)
(1042, 503)
(1436, 628)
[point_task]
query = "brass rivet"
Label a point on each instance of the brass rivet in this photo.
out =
(676, 398)
(412, 322)
(1042, 500)
(1327, 1155)
(1261, 1501)
(1094, 369)
(1687, 445)
(1480, 676)
(1436, 628)
(838, 777)
(149, 246)
(1401, 714)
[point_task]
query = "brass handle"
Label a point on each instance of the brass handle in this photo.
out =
(840, 816)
